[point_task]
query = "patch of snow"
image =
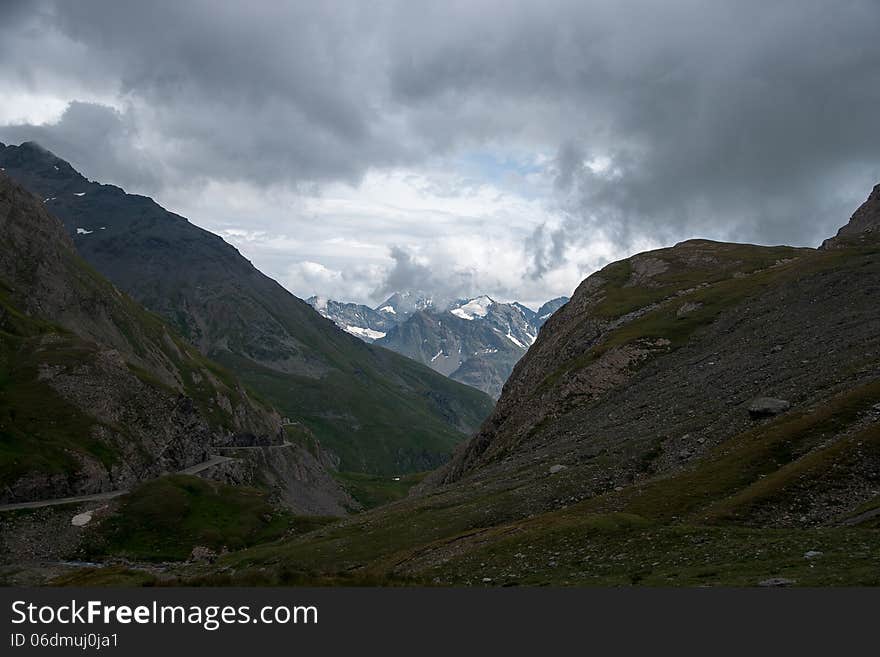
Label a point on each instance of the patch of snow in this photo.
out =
(474, 308)
(437, 355)
(545, 316)
(83, 231)
(514, 340)
(387, 309)
(103, 227)
(55, 167)
(79, 193)
(364, 332)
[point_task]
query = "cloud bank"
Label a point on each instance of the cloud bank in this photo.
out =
(496, 147)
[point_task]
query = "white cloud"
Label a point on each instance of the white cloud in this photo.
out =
(335, 239)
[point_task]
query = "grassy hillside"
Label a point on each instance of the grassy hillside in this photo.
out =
(164, 519)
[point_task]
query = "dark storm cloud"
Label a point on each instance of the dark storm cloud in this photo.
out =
(753, 119)
(748, 120)
(96, 139)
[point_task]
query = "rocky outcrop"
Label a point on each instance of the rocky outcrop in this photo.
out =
(862, 228)
(293, 475)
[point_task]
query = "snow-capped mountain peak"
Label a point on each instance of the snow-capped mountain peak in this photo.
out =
(476, 341)
(401, 305)
(473, 308)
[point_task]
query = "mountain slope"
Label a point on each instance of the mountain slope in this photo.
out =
(95, 393)
(703, 414)
(378, 411)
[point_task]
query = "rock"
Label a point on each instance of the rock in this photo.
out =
(82, 519)
(557, 468)
(776, 581)
(202, 553)
(687, 308)
(684, 454)
(776, 348)
(812, 554)
(767, 407)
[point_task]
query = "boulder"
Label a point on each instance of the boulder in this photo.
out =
(201, 553)
(767, 407)
(776, 581)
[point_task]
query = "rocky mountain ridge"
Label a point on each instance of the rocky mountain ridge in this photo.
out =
(476, 341)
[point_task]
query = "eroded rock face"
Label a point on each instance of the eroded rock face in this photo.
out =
(862, 228)
(294, 476)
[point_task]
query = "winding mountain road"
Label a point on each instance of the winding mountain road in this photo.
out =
(109, 495)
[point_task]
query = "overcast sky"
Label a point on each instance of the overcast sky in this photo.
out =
(353, 148)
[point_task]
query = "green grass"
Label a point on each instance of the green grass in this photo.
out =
(162, 520)
(625, 550)
(376, 490)
(39, 430)
(681, 274)
(366, 421)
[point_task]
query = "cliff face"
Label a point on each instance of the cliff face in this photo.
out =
(95, 392)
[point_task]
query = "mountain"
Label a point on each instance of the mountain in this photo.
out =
(475, 341)
(400, 305)
(361, 321)
(862, 229)
(548, 309)
(703, 414)
(97, 394)
(375, 410)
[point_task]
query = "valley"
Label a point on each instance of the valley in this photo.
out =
(702, 414)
